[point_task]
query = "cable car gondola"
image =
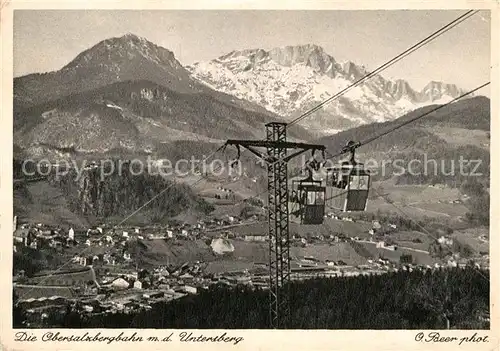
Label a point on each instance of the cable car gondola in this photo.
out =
(307, 200)
(348, 184)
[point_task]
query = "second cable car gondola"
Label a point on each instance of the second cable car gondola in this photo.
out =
(348, 184)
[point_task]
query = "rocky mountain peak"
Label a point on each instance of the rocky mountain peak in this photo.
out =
(310, 54)
(435, 90)
(116, 50)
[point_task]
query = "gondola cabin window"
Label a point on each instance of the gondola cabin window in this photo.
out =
(315, 198)
(358, 182)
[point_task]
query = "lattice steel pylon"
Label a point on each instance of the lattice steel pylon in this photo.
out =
(279, 236)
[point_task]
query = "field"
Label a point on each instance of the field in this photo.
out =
(440, 209)
(416, 201)
(42, 203)
(160, 252)
(418, 257)
(405, 238)
(471, 237)
(461, 136)
(227, 265)
(333, 252)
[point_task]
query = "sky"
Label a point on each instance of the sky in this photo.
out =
(46, 40)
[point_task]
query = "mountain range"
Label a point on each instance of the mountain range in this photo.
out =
(290, 80)
(129, 95)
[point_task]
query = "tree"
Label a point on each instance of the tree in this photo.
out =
(479, 207)
(406, 258)
(18, 313)
(472, 188)
(403, 201)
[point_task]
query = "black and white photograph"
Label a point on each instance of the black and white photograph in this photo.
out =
(251, 169)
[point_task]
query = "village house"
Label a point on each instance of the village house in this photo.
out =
(188, 289)
(330, 263)
(255, 237)
(445, 241)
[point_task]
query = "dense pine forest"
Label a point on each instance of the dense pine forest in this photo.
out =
(454, 298)
(117, 190)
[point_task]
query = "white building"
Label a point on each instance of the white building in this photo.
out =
(190, 289)
(120, 283)
(255, 238)
(71, 234)
(34, 244)
(330, 263)
(88, 308)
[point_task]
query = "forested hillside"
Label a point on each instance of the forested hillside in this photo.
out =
(96, 197)
(431, 147)
(123, 192)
